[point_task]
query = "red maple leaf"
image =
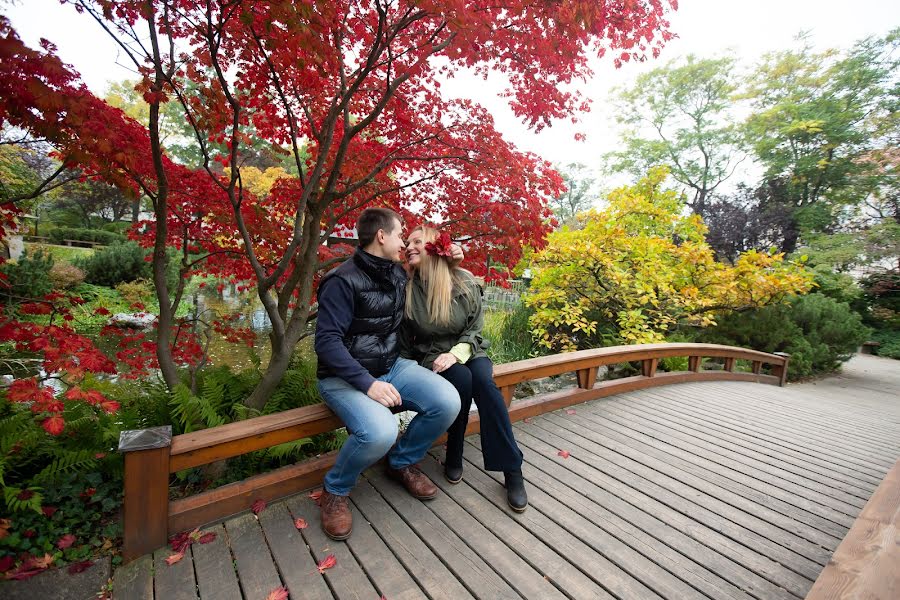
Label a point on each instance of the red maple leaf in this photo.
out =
(258, 506)
(528, 420)
(326, 563)
(563, 453)
(79, 567)
(174, 558)
(278, 593)
(207, 537)
(570, 411)
(315, 495)
(54, 425)
(65, 541)
(301, 523)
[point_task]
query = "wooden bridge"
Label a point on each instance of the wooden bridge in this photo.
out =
(715, 488)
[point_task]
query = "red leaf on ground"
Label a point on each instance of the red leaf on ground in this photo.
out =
(180, 541)
(175, 558)
(7, 563)
(315, 495)
(327, 562)
(42, 562)
(78, 567)
(258, 506)
(207, 537)
(279, 593)
(528, 420)
(570, 411)
(563, 453)
(301, 523)
(65, 541)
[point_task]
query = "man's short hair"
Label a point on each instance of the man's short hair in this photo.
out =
(373, 219)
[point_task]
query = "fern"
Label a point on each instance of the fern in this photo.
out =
(193, 412)
(66, 461)
(12, 496)
(292, 449)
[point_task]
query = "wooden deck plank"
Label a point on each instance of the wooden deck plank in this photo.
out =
(175, 581)
(815, 446)
(754, 568)
(346, 579)
(790, 421)
(386, 571)
(823, 517)
(429, 572)
(256, 570)
(844, 508)
(657, 565)
(293, 557)
(552, 551)
(750, 512)
(798, 555)
(662, 409)
(658, 419)
(134, 581)
(865, 565)
(214, 567)
(451, 543)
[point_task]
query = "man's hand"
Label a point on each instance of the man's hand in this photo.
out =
(456, 255)
(443, 362)
(384, 393)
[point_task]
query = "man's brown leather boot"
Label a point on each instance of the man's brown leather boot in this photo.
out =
(337, 520)
(415, 481)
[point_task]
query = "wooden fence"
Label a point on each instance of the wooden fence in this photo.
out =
(152, 455)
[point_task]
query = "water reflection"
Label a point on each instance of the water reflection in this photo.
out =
(210, 303)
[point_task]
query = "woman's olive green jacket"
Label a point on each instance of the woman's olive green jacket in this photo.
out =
(422, 340)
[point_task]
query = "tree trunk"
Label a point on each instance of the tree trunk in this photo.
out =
(278, 365)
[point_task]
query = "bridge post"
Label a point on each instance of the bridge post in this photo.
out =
(648, 366)
(145, 522)
(694, 363)
(729, 364)
(586, 377)
(508, 391)
(780, 371)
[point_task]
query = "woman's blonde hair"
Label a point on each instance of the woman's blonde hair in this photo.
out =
(438, 278)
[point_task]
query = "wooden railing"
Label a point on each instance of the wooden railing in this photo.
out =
(152, 455)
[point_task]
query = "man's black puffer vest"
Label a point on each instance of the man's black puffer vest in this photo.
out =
(379, 292)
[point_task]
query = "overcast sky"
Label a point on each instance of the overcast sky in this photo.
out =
(704, 27)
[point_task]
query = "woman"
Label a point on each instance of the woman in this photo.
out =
(442, 331)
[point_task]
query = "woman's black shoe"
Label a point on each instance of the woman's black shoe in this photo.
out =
(515, 490)
(453, 474)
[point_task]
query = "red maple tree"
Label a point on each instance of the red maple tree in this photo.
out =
(349, 92)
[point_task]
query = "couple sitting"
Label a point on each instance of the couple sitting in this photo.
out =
(387, 340)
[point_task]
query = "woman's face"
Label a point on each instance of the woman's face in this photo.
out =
(415, 248)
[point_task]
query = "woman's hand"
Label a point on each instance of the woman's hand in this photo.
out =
(443, 362)
(456, 255)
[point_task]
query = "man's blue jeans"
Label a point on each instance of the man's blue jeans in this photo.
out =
(373, 428)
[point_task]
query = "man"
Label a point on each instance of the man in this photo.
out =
(362, 376)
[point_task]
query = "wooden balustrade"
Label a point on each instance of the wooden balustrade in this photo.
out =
(151, 455)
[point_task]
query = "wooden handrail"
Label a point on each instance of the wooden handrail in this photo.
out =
(152, 455)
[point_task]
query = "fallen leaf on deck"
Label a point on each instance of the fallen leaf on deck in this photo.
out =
(258, 506)
(570, 411)
(327, 562)
(175, 558)
(207, 537)
(315, 495)
(279, 593)
(527, 420)
(301, 523)
(563, 453)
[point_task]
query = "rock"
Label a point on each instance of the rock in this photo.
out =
(132, 320)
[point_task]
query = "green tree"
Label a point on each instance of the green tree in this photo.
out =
(578, 196)
(816, 116)
(639, 268)
(678, 116)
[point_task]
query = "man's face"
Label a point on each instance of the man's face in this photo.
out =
(393, 245)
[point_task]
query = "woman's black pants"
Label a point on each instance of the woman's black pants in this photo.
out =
(475, 380)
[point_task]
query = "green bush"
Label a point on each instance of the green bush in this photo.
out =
(509, 334)
(889, 340)
(818, 332)
(116, 264)
(28, 277)
(60, 234)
